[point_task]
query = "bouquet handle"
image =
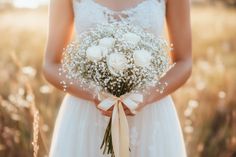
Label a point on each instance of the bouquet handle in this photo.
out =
(119, 122)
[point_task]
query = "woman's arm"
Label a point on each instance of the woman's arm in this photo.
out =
(61, 24)
(179, 29)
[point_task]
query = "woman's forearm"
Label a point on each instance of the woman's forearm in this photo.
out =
(51, 74)
(174, 78)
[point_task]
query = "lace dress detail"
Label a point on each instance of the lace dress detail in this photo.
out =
(149, 14)
(154, 131)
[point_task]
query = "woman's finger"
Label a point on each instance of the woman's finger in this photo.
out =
(109, 112)
(111, 108)
(107, 115)
(129, 113)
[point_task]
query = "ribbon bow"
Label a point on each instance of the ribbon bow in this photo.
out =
(119, 125)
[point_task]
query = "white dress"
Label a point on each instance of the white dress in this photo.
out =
(79, 129)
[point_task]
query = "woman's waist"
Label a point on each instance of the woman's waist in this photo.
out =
(73, 98)
(80, 99)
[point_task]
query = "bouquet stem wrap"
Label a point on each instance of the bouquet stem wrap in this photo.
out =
(119, 125)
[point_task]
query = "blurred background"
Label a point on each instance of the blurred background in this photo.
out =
(206, 104)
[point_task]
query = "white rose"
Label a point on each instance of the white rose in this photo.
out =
(131, 38)
(116, 63)
(142, 58)
(107, 42)
(104, 51)
(94, 53)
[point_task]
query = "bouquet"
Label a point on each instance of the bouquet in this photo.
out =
(116, 60)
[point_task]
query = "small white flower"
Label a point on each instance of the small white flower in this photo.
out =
(131, 38)
(107, 42)
(117, 63)
(142, 58)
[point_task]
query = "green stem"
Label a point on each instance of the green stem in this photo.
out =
(107, 141)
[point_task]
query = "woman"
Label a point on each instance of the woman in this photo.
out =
(155, 130)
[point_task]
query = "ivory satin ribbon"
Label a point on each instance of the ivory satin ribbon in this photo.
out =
(119, 125)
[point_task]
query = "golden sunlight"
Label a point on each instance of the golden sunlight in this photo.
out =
(31, 4)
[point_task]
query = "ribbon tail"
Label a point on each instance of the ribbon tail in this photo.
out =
(120, 131)
(124, 132)
(115, 131)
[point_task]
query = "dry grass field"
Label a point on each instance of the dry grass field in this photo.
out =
(206, 104)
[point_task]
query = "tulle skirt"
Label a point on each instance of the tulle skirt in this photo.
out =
(154, 131)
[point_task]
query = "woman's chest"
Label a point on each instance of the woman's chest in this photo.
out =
(149, 14)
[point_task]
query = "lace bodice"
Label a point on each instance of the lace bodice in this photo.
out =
(149, 14)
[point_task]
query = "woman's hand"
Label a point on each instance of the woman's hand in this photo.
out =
(108, 113)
